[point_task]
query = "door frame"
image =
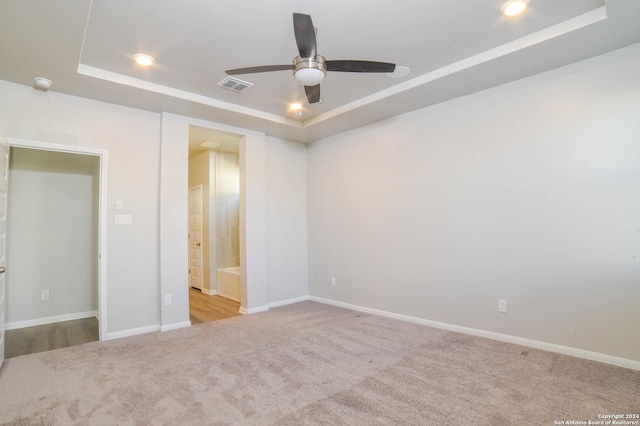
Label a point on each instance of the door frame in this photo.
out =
(174, 178)
(102, 155)
(202, 260)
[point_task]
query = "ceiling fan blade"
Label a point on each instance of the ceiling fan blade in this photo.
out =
(360, 66)
(313, 93)
(305, 35)
(264, 68)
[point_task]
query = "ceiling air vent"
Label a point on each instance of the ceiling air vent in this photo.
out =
(235, 84)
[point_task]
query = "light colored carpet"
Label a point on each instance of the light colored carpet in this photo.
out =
(308, 364)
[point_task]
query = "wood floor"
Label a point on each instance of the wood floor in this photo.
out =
(41, 338)
(46, 337)
(204, 308)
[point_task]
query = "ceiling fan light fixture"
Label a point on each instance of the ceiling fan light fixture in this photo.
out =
(309, 71)
(514, 7)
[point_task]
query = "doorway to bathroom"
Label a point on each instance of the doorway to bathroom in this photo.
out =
(214, 224)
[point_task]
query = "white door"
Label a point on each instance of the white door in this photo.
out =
(4, 188)
(195, 237)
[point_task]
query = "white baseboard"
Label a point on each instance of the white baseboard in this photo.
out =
(208, 292)
(551, 347)
(132, 332)
(175, 326)
(245, 311)
(226, 296)
(288, 301)
(49, 320)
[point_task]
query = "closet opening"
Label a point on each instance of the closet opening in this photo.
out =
(55, 279)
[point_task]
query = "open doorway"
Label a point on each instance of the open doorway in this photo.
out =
(174, 174)
(54, 241)
(214, 224)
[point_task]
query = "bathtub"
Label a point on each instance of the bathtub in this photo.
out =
(228, 280)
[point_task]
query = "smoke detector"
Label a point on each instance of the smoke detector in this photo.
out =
(42, 83)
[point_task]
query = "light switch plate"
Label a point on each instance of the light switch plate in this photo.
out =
(123, 219)
(119, 205)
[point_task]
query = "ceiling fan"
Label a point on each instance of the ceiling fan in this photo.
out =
(310, 68)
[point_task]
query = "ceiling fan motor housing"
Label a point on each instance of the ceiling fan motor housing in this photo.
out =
(309, 71)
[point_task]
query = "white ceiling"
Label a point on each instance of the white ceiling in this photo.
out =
(453, 47)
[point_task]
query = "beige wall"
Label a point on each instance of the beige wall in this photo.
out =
(526, 192)
(287, 256)
(226, 199)
(151, 187)
(52, 236)
(132, 138)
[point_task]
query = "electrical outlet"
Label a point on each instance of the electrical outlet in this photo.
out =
(502, 305)
(333, 281)
(167, 300)
(45, 295)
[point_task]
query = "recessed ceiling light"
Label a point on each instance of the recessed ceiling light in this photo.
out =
(209, 144)
(514, 7)
(296, 106)
(144, 60)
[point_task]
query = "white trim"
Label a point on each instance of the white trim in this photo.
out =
(126, 80)
(527, 41)
(226, 296)
(46, 146)
(175, 326)
(245, 311)
(545, 346)
(288, 301)
(511, 47)
(132, 332)
(49, 320)
(253, 285)
(103, 154)
(209, 292)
